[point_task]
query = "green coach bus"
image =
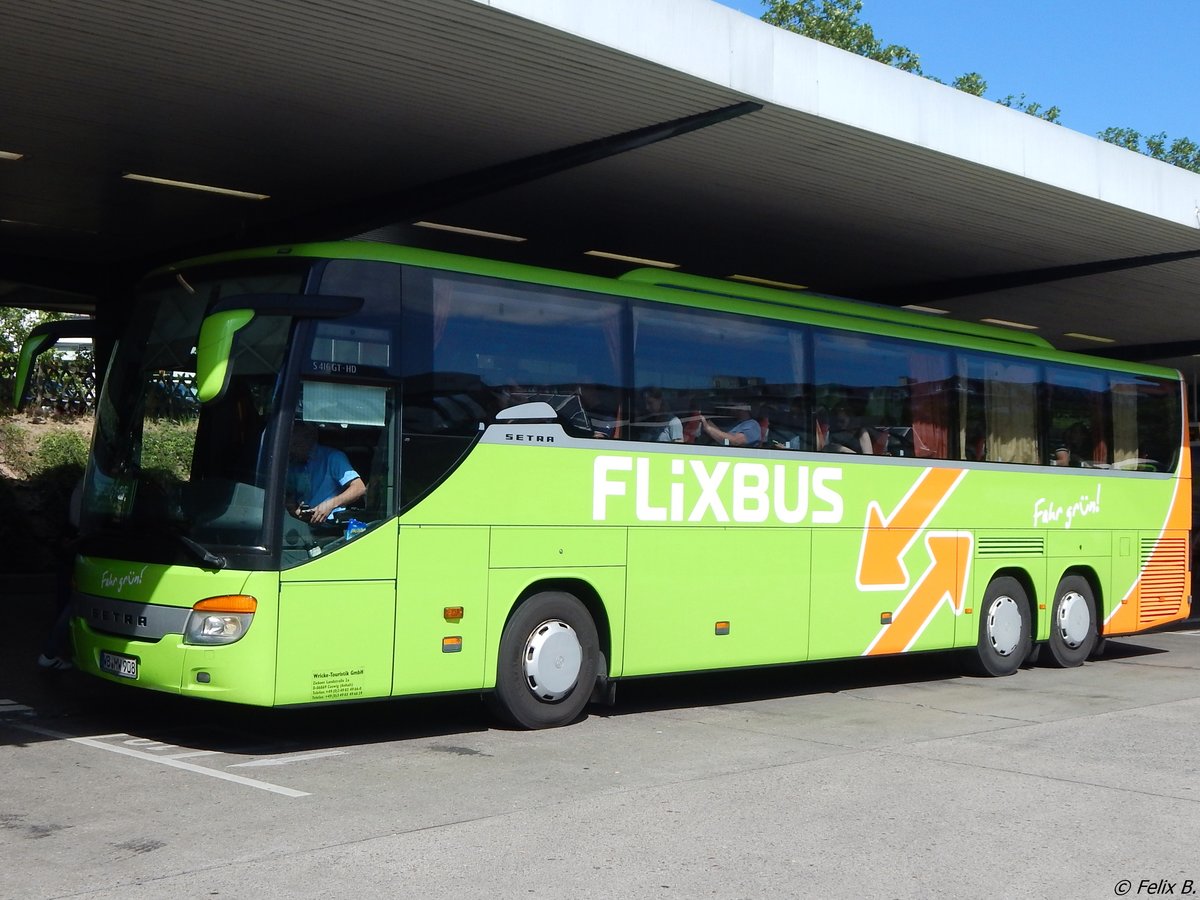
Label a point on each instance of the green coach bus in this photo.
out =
(541, 483)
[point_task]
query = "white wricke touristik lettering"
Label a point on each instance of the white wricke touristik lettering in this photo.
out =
(721, 491)
(1047, 512)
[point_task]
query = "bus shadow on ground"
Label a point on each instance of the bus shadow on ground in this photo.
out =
(729, 686)
(732, 686)
(1117, 649)
(70, 704)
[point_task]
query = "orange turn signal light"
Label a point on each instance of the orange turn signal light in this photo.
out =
(451, 644)
(722, 628)
(453, 613)
(885, 618)
(230, 603)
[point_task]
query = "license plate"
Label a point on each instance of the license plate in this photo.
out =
(118, 664)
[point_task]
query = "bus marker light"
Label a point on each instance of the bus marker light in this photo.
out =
(885, 618)
(968, 611)
(452, 644)
(722, 628)
(1041, 606)
(231, 603)
(452, 613)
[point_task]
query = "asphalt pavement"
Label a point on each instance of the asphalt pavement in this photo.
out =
(874, 778)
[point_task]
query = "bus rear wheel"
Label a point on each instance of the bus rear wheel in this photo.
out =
(548, 662)
(1072, 623)
(1004, 629)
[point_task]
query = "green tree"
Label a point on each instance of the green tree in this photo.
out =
(1182, 151)
(970, 83)
(15, 324)
(1033, 108)
(836, 22)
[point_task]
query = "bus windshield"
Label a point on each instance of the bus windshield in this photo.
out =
(187, 482)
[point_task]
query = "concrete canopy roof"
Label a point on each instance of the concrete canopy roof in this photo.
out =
(853, 178)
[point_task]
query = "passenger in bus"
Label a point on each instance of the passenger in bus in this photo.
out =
(320, 480)
(1079, 442)
(657, 422)
(745, 432)
(604, 418)
(792, 428)
(845, 435)
(1074, 448)
(763, 415)
(975, 445)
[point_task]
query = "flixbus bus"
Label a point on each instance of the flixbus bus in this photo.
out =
(571, 480)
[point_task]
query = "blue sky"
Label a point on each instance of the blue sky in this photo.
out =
(1104, 62)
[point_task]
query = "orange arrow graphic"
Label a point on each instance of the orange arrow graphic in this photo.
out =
(886, 541)
(941, 582)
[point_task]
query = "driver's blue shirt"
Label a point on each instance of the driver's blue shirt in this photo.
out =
(326, 472)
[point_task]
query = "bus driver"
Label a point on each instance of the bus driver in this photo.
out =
(320, 480)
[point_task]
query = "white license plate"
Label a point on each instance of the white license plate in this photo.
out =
(118, 664)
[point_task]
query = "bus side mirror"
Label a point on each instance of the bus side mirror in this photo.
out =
(213, 350)
(41, 339)
(228, 316)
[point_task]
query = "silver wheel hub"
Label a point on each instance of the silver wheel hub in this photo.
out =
(1074, 619)
(1004, 625)
(553, 658)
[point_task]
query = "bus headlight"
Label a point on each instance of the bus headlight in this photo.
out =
(220, 620)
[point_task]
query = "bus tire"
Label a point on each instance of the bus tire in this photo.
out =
(1004, 629)
(1072, 624)
(549, 653)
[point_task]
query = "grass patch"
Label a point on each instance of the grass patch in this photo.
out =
(58, 450)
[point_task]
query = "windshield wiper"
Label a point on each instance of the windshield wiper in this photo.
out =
(203, 553)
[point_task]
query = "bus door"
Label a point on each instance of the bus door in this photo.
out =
(337, 601)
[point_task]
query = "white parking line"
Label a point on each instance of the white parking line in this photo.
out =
(190, 753)
(99, 744)
(284, 760)
(12, 706)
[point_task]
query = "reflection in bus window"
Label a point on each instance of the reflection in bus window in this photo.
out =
(881, 397)
(475, 346)
(718, 368)
(1146, 423)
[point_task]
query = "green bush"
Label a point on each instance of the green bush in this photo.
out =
(60, 449)
(167, 447)
(45, 470)
(14, 448)
(34, 535)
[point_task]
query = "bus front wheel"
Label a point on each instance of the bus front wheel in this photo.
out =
(548, 660)
(1004, 629)
(1072, 623)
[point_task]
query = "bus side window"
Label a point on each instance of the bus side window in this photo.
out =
(884, 397)
(998, 409)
